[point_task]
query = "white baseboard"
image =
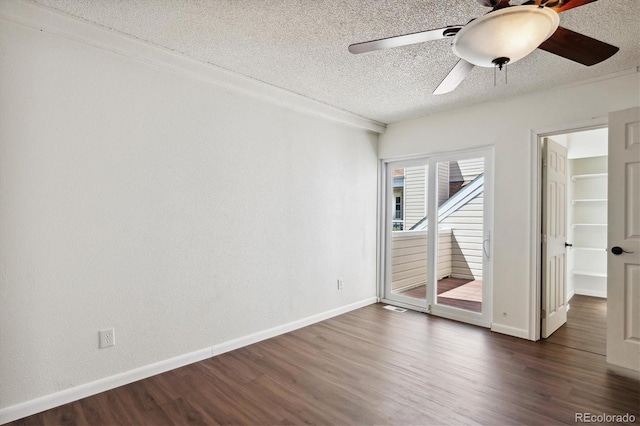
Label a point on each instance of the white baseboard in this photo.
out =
(510, 331)
(47, 402)
(75, 393)
(593, 293)
(286, 328)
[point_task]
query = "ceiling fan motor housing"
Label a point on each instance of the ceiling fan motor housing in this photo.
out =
(506, 34)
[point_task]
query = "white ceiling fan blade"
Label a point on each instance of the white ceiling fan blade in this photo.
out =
(454, 78)
(403, 40)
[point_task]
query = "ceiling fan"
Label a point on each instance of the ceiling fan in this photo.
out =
(504, 35)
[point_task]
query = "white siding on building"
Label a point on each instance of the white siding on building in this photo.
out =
(466, 225)
(415, 188)
(409, 258)
(465, 170)
(443, 182)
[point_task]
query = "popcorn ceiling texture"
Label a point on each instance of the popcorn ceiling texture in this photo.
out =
(301, 46)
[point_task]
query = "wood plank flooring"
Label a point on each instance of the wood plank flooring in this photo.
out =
(586, 327)
(370, 366)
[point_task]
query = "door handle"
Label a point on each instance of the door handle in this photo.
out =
(568, 245)
(484, 246)
(619, 250)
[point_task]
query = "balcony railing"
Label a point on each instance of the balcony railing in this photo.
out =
(409, 258)
(459, 256)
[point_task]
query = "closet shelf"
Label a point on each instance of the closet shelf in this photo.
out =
(588, 176)
(589, 273)
(588, 224)
(589, 200)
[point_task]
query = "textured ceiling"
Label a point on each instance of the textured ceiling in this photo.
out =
(301, 46)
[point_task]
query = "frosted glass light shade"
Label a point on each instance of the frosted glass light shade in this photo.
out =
(512, 33)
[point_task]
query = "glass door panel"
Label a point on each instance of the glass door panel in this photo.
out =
(460, 194)
(446, 272)
(407, 247)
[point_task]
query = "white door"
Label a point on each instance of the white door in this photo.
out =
(623, 258)
(554, 230)
(437, 256)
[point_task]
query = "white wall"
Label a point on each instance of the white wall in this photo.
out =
(591, 143)
(180, 213)
(508, 125)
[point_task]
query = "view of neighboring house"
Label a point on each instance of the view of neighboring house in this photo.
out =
(460, 223)
(410, 187)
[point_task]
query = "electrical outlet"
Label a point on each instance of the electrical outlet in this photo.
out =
(339, 283)
(107, 337)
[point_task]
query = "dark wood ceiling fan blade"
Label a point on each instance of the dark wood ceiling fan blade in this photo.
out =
(406, 39)
(454, 78)
(578, 47)
(559, 5)
(570, 4)
(494, 3)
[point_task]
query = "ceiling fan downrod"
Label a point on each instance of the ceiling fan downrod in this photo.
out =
(500, 62)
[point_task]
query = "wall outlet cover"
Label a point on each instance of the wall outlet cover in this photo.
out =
(107, 337)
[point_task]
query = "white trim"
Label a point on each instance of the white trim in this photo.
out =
(47, 402)
(535, 254)
(592, 293)
(522, 333)
(577, 126)
(463, 154)
(411, 233)
(40, 18)
(289, 327)
(589, 273)
(605, 77)
(589, 176)
(56, 399)
(536, 229)
(380, 231)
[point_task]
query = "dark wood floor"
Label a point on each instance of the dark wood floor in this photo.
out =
(371, 366)
(444, 285)
(586, 327)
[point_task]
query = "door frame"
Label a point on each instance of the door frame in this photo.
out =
(483, 319)
(535, 284)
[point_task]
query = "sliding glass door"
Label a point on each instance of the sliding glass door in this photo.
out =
(407, 185)
(437, 250)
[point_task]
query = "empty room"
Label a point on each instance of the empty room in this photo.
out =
(319, 212)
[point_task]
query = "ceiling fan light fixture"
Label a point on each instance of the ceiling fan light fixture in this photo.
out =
(511, 33)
